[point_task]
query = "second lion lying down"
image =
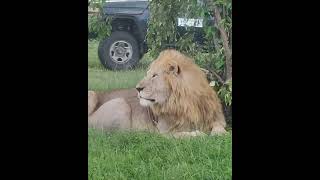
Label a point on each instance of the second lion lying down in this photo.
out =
(173, 98)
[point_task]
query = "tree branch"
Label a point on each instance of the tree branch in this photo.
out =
(209, 73)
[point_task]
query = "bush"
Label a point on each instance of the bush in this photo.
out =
(98, 27)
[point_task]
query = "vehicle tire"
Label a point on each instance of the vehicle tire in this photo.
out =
(120, 51)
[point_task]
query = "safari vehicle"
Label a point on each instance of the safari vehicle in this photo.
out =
(127, 42)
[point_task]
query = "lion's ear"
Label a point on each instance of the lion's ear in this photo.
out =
(174, 68)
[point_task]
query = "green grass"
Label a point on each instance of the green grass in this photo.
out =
(93, 61)
(124, 155)
(141, 155)
(106, 80)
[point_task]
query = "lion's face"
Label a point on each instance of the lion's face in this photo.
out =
(155, 87)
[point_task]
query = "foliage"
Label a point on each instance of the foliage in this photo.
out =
(98, 24)
(226, 92)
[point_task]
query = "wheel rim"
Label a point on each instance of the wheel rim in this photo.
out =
(120, 52)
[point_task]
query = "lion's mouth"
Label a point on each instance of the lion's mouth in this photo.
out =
(152, 100)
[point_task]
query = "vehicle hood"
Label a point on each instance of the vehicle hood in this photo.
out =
(125, 7)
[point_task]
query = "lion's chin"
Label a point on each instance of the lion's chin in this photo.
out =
(145, 102)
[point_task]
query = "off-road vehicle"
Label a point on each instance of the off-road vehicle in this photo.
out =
(127, 42)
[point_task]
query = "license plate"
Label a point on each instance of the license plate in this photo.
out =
(190, 22)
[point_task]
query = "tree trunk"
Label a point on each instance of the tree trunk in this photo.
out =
(226, 47)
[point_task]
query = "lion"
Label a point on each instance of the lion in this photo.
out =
(174, 98)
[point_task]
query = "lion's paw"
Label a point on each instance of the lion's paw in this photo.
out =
(219, 130)
(198, 133)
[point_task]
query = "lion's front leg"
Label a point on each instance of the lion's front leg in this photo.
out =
(218, 129)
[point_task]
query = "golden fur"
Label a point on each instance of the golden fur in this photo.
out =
(179, 96)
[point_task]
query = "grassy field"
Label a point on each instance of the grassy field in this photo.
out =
(128, 155)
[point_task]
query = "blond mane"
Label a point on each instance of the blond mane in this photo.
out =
(193, 103)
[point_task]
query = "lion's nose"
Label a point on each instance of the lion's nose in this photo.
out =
(139, 88)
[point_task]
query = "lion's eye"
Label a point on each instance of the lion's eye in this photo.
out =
(154, 75)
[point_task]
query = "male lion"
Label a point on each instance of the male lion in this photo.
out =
(173, 98)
